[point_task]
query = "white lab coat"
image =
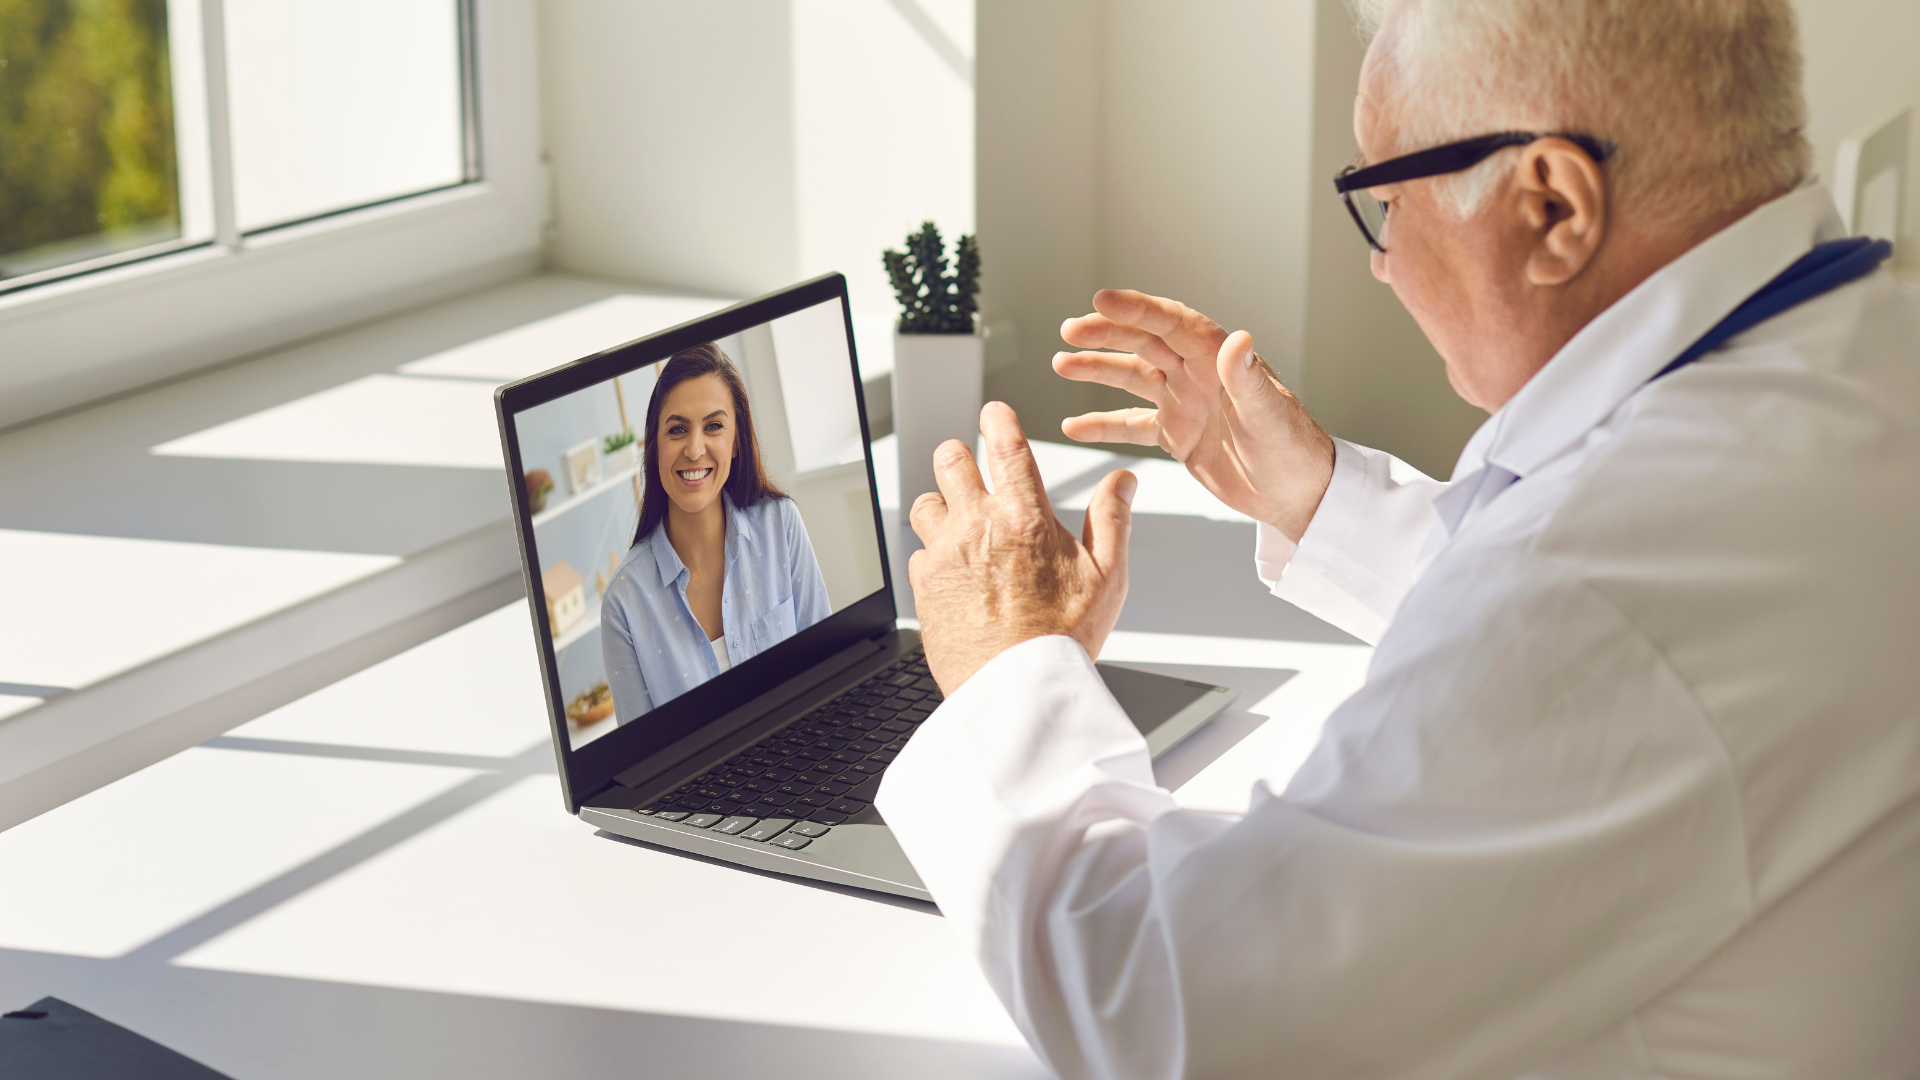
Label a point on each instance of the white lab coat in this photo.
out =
(1632, 788)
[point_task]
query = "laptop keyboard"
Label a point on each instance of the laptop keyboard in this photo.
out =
(815, 773)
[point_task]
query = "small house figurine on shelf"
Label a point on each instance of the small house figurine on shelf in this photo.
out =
(939, 355)
(566, 596)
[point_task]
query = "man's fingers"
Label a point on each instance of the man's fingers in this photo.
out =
(1123, 371)
(1096, 331)
(1110, 519)
(1185, 330)
(926, 515)
(957, 475)
(1015, 474)
(1141, 427)
(1256, 394)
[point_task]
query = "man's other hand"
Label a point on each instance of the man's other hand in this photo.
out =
(998, 568)
(1218, 408)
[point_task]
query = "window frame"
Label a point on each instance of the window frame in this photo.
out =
(100, 332)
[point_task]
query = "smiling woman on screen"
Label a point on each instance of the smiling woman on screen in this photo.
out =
(720, 569)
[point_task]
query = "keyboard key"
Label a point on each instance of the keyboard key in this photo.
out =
(910, 694)
(737, 796)
(865, 747)
(791, 841)
(820, 798)
(847, 806)
(765, 811)
(896, 725)
(776, 799)
(850, 756)
(831, 768)
(811, 828)
(851, 710)
(884, 757)
(779, 776)
(796, 788)
(826, 817)
(710, 792)
(835, 790)
(735, 825)
(770, 828)
(832, 742)
(860, 724)
(701, 821)
(868, 700)
(925, 682)
(670, 815)
(869, 768)
(813, 779)
(814, 753)
(881, 715)
(766, 761)
(901, 680)
(760, 784)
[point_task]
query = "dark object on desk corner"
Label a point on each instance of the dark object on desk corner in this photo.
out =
(52, 1040)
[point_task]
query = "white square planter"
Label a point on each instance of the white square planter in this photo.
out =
(936, 396)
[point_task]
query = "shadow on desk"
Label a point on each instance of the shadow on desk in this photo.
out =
(259, 1027)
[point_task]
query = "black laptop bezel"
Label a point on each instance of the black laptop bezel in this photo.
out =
(590, 769)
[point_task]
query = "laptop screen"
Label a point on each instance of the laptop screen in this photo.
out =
(690, 503)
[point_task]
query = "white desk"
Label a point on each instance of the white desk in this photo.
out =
(379, 881)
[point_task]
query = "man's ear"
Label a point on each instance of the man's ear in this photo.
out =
(1563, 203)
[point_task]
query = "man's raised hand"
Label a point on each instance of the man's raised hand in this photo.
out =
(1218, 408)
(998, 568)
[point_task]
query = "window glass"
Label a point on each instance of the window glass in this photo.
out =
(340, 103)
(88, 163)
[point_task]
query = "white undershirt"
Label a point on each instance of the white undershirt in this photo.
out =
(720, 653)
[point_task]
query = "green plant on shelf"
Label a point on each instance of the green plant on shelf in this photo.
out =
(933, 301)
(622, 438)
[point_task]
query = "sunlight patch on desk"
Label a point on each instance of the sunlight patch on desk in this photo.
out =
(607, 925)
(375, 420)
(1071, 471)
(563, 338)
(473, 690)
(104, 604)
(13, 703)
(1166, 487)
(154, 850)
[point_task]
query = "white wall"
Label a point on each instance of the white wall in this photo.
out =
(1863, 65)
(737, 148)
(669, 133)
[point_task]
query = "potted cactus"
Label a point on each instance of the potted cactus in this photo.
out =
(939, 355)
(621, 452)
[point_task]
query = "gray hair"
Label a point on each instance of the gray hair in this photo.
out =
(1702, 97)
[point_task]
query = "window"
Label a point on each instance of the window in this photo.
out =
(183, 182)
(115, 147)
(87, 146)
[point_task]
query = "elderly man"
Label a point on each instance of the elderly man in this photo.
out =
(1633, 786)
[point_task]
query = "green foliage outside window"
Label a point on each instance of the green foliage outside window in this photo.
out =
(86, 131)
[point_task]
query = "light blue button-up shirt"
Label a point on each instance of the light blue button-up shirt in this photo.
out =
(654, 648)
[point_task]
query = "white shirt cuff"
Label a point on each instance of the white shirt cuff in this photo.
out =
(1357, 559)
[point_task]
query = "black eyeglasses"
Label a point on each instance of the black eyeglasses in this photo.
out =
(1371, 214)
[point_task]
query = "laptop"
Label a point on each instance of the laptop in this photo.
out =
(757, 730)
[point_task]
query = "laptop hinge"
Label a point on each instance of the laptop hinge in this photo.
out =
(729, 723)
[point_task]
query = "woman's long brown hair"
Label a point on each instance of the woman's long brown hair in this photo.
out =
(747, 483)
